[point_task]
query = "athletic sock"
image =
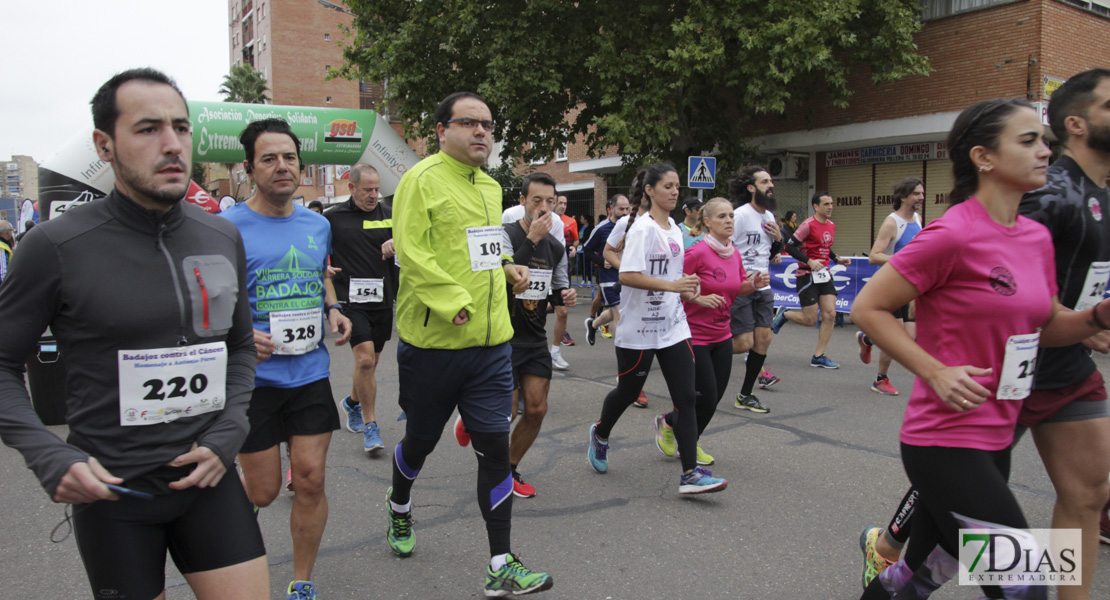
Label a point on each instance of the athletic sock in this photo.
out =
(867, 340)
(350, 402)
(498, 561)
(400, 508)
(554, 348)
(881, 377)
(755, 367)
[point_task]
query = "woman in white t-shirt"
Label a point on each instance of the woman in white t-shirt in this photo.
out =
(653, 323)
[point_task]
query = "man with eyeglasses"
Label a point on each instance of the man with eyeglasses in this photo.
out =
(454, 329)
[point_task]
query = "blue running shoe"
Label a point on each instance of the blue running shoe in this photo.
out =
(823, 362)
(700, 481)
(354, 416)
(371, 438)
(301, 590)
(779, 320)
(599, 452)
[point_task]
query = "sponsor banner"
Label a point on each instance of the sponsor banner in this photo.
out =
(887, 154)
(849, 280)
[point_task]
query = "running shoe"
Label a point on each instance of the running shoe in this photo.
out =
(591, 331)
(558, 362)
(751, 403)
(779, 320)
(884, 387)
(767, 379)
(640, 401)
(704, 459)
(823, 362)
(873, 562)
(605, 331)
(372, 438)
(289, 479)
(301, 590)
(399, 535)
(598, 452)
(522, 489)
(864, 348)
(461, 436)
(700, 481)
(664, 436)
(514, 579)
(354, 416)
(567, 340)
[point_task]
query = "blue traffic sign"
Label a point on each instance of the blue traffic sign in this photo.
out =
(701, 172)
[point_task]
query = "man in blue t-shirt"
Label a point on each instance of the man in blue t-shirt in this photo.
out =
(287, 248)
(608, 299)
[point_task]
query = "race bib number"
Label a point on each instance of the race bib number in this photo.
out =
(296, 331)
(1094, 287)
(1018, 366)
(366, 290)
(822, 276)
(485, 247)
(540, 285)
(161, 385)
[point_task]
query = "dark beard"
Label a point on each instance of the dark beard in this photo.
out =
(1099, 139)
(765, 201)
(141, 184)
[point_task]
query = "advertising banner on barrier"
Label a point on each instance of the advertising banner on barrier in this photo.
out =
(849, 281)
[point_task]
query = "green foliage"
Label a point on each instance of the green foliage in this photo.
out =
(245, 84)
(652, 80)
(198, 173)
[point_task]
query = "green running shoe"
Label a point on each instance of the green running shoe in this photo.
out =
(399, 535)
(664, 436)
(514, 579)
(873, 562)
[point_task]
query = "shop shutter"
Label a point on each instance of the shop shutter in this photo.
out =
(850, 188)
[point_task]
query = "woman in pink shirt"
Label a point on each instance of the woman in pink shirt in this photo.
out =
(720, 272)
(984, 282)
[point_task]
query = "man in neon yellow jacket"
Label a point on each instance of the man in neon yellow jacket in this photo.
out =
(454, 329)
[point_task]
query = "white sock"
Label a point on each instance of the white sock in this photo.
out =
(496, 562)
(400, 508)
(554, 348)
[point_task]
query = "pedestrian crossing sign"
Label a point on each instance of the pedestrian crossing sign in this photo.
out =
(702, 172)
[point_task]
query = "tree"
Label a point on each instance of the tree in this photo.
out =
(647, 79)
(199, 174)
(247, 85)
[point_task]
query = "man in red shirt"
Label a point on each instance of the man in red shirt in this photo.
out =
(812, 244)
(570, 235)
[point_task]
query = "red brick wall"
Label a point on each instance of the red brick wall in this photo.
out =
(1074, 40)
(299, 53)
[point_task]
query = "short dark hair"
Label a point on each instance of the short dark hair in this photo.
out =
(816, 199)
(251, 132)
(447, 106)
(316, 204)
(904, 188)
(1074, 98)
(541, 178)
(738, 192)
(356, 172)
(105, 111)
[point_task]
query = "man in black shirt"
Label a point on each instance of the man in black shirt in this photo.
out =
(366, 284)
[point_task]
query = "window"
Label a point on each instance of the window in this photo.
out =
(561, 154)
(327, 69)
(327, 37)
(328, 100)
(937, 9)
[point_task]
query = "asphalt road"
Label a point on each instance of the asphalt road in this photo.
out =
(803, 480)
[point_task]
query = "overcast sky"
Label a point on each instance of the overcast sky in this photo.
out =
(55, 55)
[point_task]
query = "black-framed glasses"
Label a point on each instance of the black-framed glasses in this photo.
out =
(468, 123)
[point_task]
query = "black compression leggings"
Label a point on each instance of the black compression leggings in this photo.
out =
(712, 368)
(677, 364)
(953, 483)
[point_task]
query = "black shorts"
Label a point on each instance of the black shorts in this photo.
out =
(808, 292)
(903, 313)
(533, 361)
(123, 543)
(276, 414)
(433, 382)
(757, 309)
(370, 326)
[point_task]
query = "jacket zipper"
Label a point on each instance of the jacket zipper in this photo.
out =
(203, 294)
(489, 300)
(176, 284)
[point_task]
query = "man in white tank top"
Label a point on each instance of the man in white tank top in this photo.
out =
(897, 230)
